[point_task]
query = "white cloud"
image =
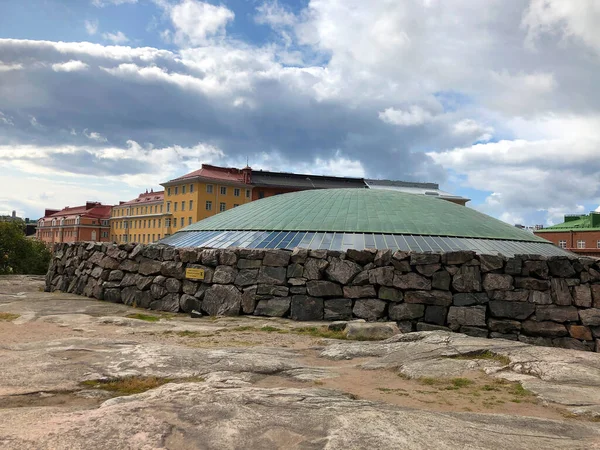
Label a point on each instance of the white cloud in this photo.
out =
(91, 27)
(273, 14)
(196, 22)
(415, 115)
(469, 127)
(6, 120)
(9, 67)
(94, 136)
(70, 66)
(116, 38)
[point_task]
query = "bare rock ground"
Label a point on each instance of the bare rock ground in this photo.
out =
(271, 383)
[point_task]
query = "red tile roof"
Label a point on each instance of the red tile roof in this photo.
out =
(90, 209)
(216, 173)
(146, 197)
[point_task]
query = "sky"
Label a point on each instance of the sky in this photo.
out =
(495, 100)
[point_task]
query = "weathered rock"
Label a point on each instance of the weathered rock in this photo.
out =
(570, 343)
(337, 309)
(422, 326)
(467, 279)
(561, 267)
(580, 332)
(115, 275)
(390, 294)
(514, 266)
(170, 254)
(518, 295)
(361, 256)
(406, 311)
(295, 270)
(557, 313)
(532, 283)
(222, 300)
(467, 299)
(582, 296)
(128, 295)
(109, 263)
(297, 281)
(490, 263)
(160, 280)
(504, 326)
(437, 298)
(157, 291)
(97, 271)
(540, 298)
(511, 310)
(249, 263)
(172, 269)
(313, 269)
(474, 331)
(418, 259)
(299, 255)
(441, 280)
(276, 258)
(271, 275)
(169, 303)
(589, 317)
(458, 257)
(342, 271)
(319, 254)
(298, 290)
(510, 337)
(275, 307)
(535, 269)
(545, 329)
(370, 331)
(595, 288)
(369, 309)
(359, 291)
(383, 276)
(189, 303)
(189, 287)
(224, 275)
(537, 340)
(249, 298)
(402, 266)
(151, 252)
(129, 279)
(306, 308)
(210, 257)
(228, 258)
(428, 269)
(383, 258)
(246, 277)
(560, 292)
(435, 314)
(319, 288)
(173, 285)
(411, 281)
(144, 283)
(361, 279)
(251, 253)
(467, 315)
(269, 289)
(149, 267)
(497, 281)
(190, 255)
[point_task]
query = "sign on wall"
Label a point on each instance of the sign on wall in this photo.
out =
(194, 273)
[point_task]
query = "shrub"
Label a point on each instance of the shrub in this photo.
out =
(20, 254)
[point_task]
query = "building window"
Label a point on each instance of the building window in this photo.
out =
(236, 192)
(183, 189)
(221, 206)
(153, 238)
(261, 194)
(159, 237)
(183, 206)
(189, 220)
(168, 191)
(183, 221)
(580, 244)
(159, 224)
(175, 206)
(191, 189)
(161, 208)
(209, 188)
(208, 205)
(235, 205)
(169, 207)
(191, 205)
(176, 190)
(167, 222)
(223, 190)
(563, 244)
(247, 193)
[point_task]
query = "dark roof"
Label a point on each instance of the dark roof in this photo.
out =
(403, 183)
(299, 181)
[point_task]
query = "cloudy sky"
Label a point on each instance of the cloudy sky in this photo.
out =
(496, 100)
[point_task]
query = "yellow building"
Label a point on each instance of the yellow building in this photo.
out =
(141, 220)
(204, 193)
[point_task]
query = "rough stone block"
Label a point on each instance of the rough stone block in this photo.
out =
(318, 254)
(595, 288)
(227, 258)
(383, 276)
(306, 308)
(342, 271)
(246, 277)
(173, 285)
(222, 300)
(437, 298)
(361, 256)
(276, 258)
(370, 331)
(545, 329)
(369, 309)
(458, 257)
(411, 281)
(189, 303)
(157, 291)
(319, 288)
(422, 326)
(467, 279)
(474, 331)
(367, 291)
(299, 255)
(532, 283)
(580, 332)
(510, 337)
(418, 259)
(224, 275)
(537, 269)
(435, 314)
(274, 307)
(189, 287)
(144, 283)
(249, 263)
(441, 280)
(590, 317)
(519, 295)
(428, 269)
(383, 258)
(272, 275)
(149, 267)
(390, 294)
(171, 269)
(561, 267)
(497, 282)
(570, 343)
(582, 296)
(490, 263)
(560, 292)
(402, 266)
(504, 326)
(557, 313)
(190, 255)
(169, 303)
(470, 298)
(337, 309)
(251, 253)
(249, 300)
(540, 298)
(511, 310)
(314, 268)
(210, 257)
(297, 281)
(295, 270)
(274, 290)
(467, 315)
(298, 290)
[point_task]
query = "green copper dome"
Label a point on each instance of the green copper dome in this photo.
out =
(339, 219)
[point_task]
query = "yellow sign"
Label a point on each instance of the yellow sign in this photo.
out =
(192, 273)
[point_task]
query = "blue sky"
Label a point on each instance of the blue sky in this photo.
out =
(101, 99)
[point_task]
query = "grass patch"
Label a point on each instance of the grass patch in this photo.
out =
(134, 384)
(461, 382)
(486, 354)
(8, 317)
(322, 332)
(427, 381)
(146, 317)
(393, 391)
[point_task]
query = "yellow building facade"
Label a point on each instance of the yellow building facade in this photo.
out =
(141, 220)
(204, 193)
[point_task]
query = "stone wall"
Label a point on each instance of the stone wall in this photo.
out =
(552, 301)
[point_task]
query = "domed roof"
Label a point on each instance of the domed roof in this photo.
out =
(384, 219)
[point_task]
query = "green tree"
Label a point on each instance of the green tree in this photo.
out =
(19, 254)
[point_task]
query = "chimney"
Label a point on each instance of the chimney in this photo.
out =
(14, 214)
(247, 174)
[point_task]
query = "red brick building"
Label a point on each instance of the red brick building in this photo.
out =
(89, 222)
(578, 233)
